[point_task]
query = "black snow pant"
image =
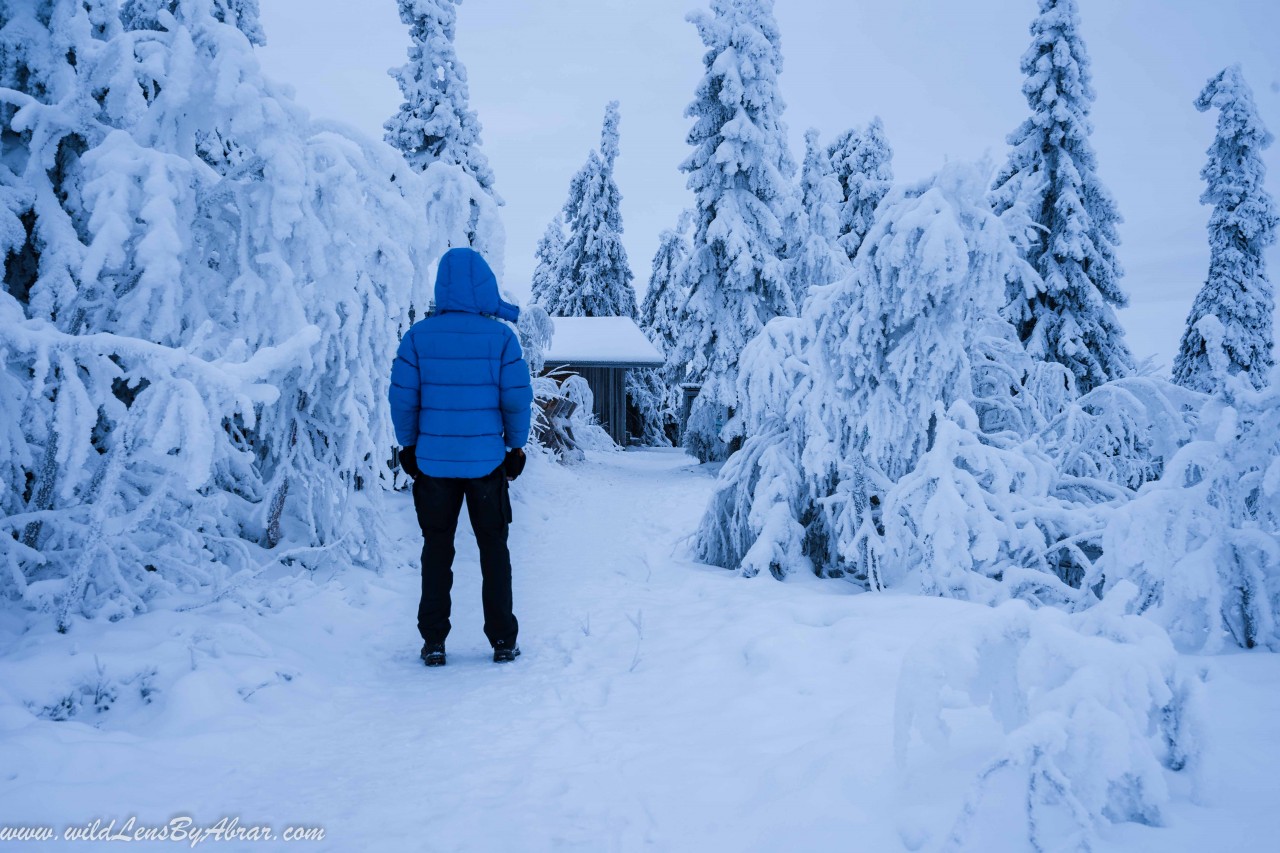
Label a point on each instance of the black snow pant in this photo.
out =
(438, 501)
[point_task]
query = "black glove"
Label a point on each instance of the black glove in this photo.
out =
(514, 463)
(409, 462)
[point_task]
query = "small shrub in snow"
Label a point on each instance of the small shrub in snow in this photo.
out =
(1095, 713)
(1203, 542)
(586, 429)
(972, 520)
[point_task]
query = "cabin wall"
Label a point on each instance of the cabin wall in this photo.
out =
(609, 387)
(609, 393)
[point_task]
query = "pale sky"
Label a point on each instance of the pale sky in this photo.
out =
(943, 75)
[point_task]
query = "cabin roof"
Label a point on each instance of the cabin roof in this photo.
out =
(601, 342)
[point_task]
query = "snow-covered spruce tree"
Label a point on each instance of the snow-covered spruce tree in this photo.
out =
(543, 286)
(40, 161)
(119, 426)
(862, 162)
(1243, 223)
(884, 425)
(435, 123)
(760, 514)
(1011, 477)
(200, 326)
(740, 172)
(592, 274)
(1053, 171)
(656, 394)
(663, 305)
(439, 135)
(1202, 543)
(819, 259)
(900, 342)
(321, 234)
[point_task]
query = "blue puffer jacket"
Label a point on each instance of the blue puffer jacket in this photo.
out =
(460, 387)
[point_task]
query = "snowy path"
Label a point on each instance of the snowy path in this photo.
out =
(659, 704)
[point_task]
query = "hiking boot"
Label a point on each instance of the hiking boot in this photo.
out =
(433, 654)
(505, 654)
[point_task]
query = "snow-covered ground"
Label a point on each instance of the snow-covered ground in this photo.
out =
(659, 704)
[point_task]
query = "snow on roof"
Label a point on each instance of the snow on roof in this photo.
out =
(601, 341)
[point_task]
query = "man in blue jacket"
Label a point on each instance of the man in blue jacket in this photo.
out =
(460, 401)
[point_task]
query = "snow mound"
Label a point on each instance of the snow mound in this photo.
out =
(1095, 714)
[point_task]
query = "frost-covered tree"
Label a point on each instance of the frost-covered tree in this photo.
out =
(1243, 223)
(536, 331)
(1052, 171)
(439, 134)
(897, 339)
(435, 122)
(862, 162)
(819, 259)
(592, 275)
(201, 298)
(846, 406)
(655, 393)
(40, 162)
(1065, 688)
(660, 312)
(1202, 543)
(762, 516)
(740, 172)
(899, 331)
(544, 286)
(149, 15)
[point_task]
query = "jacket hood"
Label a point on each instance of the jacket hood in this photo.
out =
(464, 282)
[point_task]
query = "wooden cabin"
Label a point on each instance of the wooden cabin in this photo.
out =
(601, 350)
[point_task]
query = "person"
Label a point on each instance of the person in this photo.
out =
(460, 401)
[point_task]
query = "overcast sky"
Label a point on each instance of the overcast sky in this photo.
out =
(942, 74)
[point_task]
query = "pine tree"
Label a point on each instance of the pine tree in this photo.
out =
(740, 172)
(436, 123)
(819, 259)
(544, 286)
(1243, 223)
(862, 162)
(592, 274)
(1053, 171)
(841, 405)
(660, 313)
(439, 135)
(656, 393)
